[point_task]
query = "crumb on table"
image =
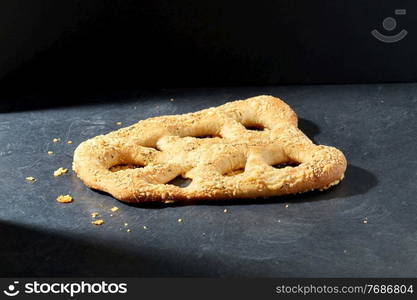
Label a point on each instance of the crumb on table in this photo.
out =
(30, 178)
(97, 222)
(179, 220)
(94, 214)
(69, 142)
(60, 171)
(56, 140)
(114, 208)
(119, 123)
(50, 152)
(64, 199)
(225, 210)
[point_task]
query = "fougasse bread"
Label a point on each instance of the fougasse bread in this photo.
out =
(243, 149)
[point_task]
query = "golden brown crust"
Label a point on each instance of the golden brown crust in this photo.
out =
(134, 163)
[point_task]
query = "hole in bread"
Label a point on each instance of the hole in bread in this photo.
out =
(234, 172)
(292, 164)
(180, 181)
(207, 136)
(122, 167)
(255, 127)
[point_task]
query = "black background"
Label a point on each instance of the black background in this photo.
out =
(124, 44)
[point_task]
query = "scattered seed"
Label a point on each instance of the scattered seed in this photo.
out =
(60, 171)
(64, 199)
(97, 222)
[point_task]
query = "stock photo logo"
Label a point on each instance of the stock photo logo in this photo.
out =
(390, 24)
(66, 288)
(11, 290)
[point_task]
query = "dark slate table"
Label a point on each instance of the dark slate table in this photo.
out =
(318, 234)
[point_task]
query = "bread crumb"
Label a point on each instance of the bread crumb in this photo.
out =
(144, 227)
(97, 222)
(60, 171)
(69, 142)
(119, 123)
(30, 178)
(172, 99)
(94, 214)
(56, 140)
(168, 201)
(64, 199)
(50, 152)
(111, 215)
(365, 221)
(286, 205)
(225, 210)
(128, 230)
(179, 220)
(114, 208)
(126, 224)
